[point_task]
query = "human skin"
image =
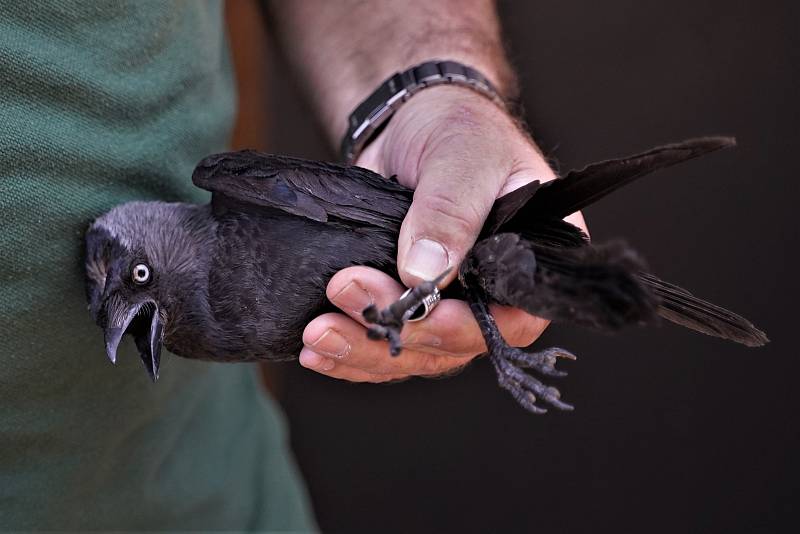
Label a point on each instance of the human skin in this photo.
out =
(456, 148)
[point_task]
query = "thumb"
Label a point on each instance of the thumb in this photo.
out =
(454, 194)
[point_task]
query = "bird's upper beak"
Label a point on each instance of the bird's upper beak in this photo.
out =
(143, 322)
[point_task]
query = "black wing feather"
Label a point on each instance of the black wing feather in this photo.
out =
(316, 190)
(580, 188)
(507, 206)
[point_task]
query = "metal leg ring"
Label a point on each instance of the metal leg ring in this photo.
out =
(429, 302)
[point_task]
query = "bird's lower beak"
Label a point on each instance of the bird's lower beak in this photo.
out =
(149, 345)
(143, 322)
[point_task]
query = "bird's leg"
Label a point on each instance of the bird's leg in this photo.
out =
(509, 362)
(388, 322)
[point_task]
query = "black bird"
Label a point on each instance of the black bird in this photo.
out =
(238, 279)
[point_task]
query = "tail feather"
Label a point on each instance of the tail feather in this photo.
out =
(683, 308)
(593, 286)
(598, 286)
(545, 265)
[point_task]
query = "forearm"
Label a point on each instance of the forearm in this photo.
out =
(342, 50)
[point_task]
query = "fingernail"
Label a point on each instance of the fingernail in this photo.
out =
(427, 259)
(315, 361)
(352, 298)
(332, 343)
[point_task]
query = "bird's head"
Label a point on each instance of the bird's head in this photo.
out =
(138, 256)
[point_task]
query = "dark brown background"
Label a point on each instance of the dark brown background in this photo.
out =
(673, 431)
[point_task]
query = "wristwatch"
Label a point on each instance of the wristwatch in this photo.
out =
(372, 114)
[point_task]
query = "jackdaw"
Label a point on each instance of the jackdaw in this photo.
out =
(238, 279)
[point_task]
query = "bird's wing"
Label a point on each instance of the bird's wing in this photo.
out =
(535, 227)
(580, 188)
(681, 307)
(540, 205)
(316, 190)
(507, 206)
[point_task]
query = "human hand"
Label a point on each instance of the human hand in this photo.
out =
(459, 151)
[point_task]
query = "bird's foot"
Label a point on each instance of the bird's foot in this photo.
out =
(509, 363)
(387, 324)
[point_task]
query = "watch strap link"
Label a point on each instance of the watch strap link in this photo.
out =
(372, 114)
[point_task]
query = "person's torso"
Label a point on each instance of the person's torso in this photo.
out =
(101, 103)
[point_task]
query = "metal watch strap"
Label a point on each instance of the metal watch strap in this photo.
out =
(373, 113)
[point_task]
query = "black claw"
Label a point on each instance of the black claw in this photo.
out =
(561, 405)
(371, 314)
(562, 353)
(542, 361)
(507, 379)
(525, 388)
(529, 403)
(387, 324)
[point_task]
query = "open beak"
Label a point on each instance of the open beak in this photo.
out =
(142, 321)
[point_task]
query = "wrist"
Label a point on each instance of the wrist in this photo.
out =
(343, 50)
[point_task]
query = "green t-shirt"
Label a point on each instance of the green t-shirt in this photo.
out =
(101, 103)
